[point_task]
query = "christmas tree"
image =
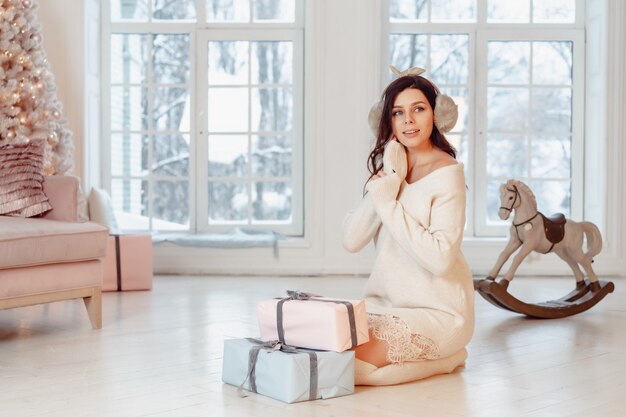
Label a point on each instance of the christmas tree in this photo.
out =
(29, 108)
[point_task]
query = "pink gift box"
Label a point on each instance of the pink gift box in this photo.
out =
(128, 263)
(316, 323)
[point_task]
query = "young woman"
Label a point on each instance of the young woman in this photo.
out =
(419, 296)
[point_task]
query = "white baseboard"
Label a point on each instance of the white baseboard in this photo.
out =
(480, 256)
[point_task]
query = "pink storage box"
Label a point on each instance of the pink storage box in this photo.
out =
(128, 263)
(315, 323)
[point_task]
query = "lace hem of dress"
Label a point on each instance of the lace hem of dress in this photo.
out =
(404, 346)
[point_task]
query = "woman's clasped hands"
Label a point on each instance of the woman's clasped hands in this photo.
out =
(394, 159)
(385, 184)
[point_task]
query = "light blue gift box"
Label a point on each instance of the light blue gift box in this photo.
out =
(286, 375)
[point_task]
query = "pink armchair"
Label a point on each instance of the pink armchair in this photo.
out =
(55, 257)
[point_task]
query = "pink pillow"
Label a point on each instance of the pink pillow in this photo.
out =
(21, 189)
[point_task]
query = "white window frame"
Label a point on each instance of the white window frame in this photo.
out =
(143, 29)
(480, 32)
(577, 134)
(202, 206)
(200, 31)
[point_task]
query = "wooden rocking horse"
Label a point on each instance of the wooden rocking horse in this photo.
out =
(532, 231)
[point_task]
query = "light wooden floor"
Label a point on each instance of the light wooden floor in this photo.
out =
(159, 354)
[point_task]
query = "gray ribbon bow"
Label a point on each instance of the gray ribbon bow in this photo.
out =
(305, 296)
(273, 346)
(300, 295)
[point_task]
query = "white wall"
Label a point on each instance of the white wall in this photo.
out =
(342, 81)
(63, 36)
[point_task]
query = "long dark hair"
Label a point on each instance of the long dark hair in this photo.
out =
(375, 159)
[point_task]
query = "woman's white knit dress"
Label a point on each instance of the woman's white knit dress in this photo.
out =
(419, 296)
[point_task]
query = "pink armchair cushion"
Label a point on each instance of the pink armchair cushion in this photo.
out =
(42, 279)
(62, 192)
(28, 242)
(21, 190)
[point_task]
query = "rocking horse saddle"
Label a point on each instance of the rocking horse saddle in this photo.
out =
(554, 226)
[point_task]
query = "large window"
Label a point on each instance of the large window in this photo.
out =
(516, 71)
(204, 114)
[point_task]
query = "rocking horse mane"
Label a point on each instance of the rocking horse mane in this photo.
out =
(523, 187)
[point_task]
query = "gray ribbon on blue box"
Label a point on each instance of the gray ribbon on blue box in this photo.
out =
(304, 296)
(272, 346)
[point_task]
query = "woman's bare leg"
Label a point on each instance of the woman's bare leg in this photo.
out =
(374, 352)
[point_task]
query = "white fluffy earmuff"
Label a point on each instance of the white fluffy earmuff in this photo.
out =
(373, 117)
(446, 113)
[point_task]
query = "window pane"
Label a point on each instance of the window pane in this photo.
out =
(170, 155)
(271, 109)
(171, 59)
(271, 201)
(552, 196)
(129, 200)
(129, 10)
(128, 59)
(170, 205)
(459, 142)
(228, 10)
(271, 156)
(171, 109)
(272, 62)
(408, 10)
(493, 202)
(274, 10)
(551, 156)
(406, 50)
(453, 11)
(501, 11)
(454, 139)
(174, 9)
(228, 62)
(552, 109)
(129, 154)
(554, 11)
(507, 108)
(228, 155)
(127, 108)
(552, 63)
(227, 202)
(449, 59)
(507, 156)
(228, 109)
(508, 62)
(448, 63)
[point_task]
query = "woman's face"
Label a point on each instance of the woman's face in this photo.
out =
(412, 118)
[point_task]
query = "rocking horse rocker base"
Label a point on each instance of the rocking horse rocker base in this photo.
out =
(585, 296)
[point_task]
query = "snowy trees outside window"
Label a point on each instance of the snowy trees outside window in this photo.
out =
(206, 114)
